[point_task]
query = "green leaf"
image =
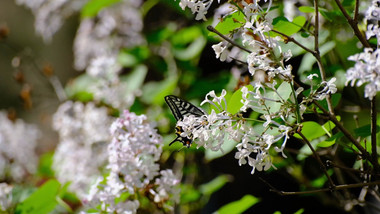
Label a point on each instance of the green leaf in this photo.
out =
(214, 185)
(227, 147)
(189, 194)
(230, 23)
(92, 7)
(308, 59)
(135, 79)
(154, 92)
(193, 50)
(238, 206)
(365, 130)
(44, 168)
(41, 201)
(281, 24)
(134, 56)
(234, 104)
(284, 91)
(78, 89)
(311, 130)
(331, 141)
(306, 9)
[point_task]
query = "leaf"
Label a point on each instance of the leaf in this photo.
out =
(308, 59)
(227, 147)
(365, 130)
(134, 56)
(331, 141)
(214, 185)
(230, 23)
(92, 7)
(238, 206)
(284, 91)
(281, 24)
(234, 104)
(154, 92)
(41, 201)
(189, 194)
(311, 130)
(194, 49)
(306, 9)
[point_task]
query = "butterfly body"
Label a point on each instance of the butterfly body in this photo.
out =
(181, 108)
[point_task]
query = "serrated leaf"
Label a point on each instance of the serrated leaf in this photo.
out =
(238, 206)
(230, 23)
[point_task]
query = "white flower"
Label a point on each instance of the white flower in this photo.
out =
(5, 196)
(18, 142)
(221, 51)
(133, 154)
(366, 71)
(83, 134)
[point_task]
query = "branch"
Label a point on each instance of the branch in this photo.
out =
(354, 25)
(364, 153)
(332, 185)
(294, 41)
(339, 187)
(212, 29)
(373, 136)
(318, 55)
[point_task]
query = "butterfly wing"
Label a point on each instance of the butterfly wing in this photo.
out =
(181, 108)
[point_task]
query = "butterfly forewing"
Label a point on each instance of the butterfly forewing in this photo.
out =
(181, 108)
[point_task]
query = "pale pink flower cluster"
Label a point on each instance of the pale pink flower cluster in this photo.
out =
(82, 149)
(18, 143)
(133, 155)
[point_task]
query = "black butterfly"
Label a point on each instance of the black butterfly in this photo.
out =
(181, 108)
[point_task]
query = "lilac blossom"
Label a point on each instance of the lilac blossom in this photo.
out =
(366, 71)
(133, 154)
(81, 152)
(18, 142)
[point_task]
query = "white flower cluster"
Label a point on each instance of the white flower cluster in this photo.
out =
(213, 130)
(50, 14)
(107, 86)
(82, 150)
(133, 154)
(115, 27)
(366, 69)
(18, 142)
(5, 196)
(199, 7)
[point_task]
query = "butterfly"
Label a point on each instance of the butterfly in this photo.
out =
(181, 108)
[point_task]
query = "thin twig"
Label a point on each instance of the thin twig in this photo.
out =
(332, 185)
(332, 164)
(373, 136)
(339, 187)
(318, 55)
(356, 11)
(364, 153)
(354, 25)
(295, 42)
(212, 29)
